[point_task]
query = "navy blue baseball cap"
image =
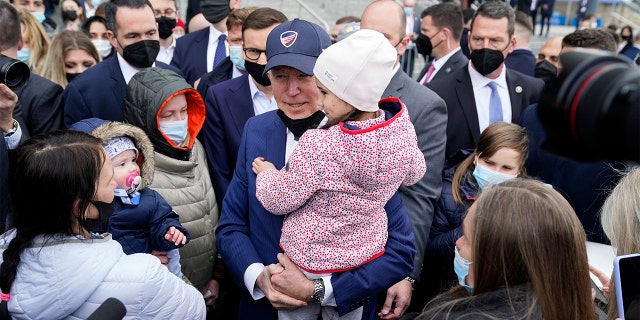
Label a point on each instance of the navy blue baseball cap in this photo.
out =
(296, 44)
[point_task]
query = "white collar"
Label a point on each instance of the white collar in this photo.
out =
(480, 81)
(128, 71)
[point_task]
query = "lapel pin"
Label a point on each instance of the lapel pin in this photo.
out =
(518, 89)
(448, 70)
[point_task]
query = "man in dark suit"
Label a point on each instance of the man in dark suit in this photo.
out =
(442, 23)
(233, 65)
(99, 91)
(521, 58)
(428, 114)
(587, 196)
(231, 103)
(248, 236)
(468, 91)
(196, 52)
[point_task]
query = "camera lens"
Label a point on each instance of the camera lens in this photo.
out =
(590, 112)
(13, 73)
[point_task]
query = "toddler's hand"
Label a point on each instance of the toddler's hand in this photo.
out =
(259, 165)
(175, 236)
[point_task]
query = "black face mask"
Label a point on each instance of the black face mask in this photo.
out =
(486, 60)
(141, 54)
(256, 71)
(215, 10)
(165, 27)
(105, 210)
(70, 15)
(299, 126)
(626, 38)
(423, 44)
(71, 76)
(545, 70)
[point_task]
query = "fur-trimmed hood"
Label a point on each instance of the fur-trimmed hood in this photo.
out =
(107, 130)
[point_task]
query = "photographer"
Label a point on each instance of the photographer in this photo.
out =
(585, 195)
(40, 99)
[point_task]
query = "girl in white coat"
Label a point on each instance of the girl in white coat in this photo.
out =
(52, 268)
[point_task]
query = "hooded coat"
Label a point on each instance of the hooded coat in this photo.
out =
(181, 172)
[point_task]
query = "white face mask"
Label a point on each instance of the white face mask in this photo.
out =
(175, 130)
(104, 47)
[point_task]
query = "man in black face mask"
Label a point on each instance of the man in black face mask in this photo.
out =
(99, 91)
(201, 51)
(167, 14)
(486, 91)
(231, 103)
(440, 38)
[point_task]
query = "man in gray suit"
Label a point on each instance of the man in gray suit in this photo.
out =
(442, 23)
(428, 113)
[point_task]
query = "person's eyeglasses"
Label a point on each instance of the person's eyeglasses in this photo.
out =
(253, 53)
(169, 13)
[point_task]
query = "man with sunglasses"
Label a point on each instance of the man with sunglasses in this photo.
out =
(231, 103)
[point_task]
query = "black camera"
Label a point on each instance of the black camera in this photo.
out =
(14, 73)
(591, 112)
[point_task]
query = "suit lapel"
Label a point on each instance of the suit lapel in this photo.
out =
(201, 46)
(276, 142)
(466, 98)
(240, 103)
(395, 86)
(115, 73)
(515, 95)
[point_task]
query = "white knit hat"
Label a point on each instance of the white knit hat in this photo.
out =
(118, 145)
(358, 69)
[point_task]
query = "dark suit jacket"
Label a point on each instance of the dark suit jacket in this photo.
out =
(428, 114)
(42, 107)
(455, 62)
(463, 128)
(190, 55)
(587, 196)
(229, 106)
(98, 92)
(464, 43)
(521, 60)
(222, 72)
(247, 233)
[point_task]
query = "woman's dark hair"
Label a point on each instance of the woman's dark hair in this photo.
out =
(51, 184)
(86, 25)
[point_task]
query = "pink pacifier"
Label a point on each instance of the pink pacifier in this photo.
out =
(133, 182)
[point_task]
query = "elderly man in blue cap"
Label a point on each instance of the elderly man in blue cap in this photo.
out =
(248, 235)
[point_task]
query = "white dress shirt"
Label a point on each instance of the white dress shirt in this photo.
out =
(482, 94)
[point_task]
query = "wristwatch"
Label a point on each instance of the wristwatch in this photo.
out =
(318, 291)
(11, 131)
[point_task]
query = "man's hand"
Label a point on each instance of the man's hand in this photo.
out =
(8, 101)
(162, 256)
(259, 165)
(291, 281)
(175, 236)
(278, 300)
(397, 301)
(212, 288)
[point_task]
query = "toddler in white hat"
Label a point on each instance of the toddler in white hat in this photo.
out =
(338, 179)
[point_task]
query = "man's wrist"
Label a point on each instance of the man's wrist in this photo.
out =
(9, 128)
(410, 279)
(318, 291)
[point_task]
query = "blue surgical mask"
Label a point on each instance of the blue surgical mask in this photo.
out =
(175, 130)
(408, 11)
(177, 36)
(96, 3)
(486, 177)
(23, 54)
(235, 54)
(39, 16)
(461, 267)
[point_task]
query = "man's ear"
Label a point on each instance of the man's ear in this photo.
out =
(20, 44)
(112, 38)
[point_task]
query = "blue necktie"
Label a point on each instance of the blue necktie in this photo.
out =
(495, 106)
(221, 51)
